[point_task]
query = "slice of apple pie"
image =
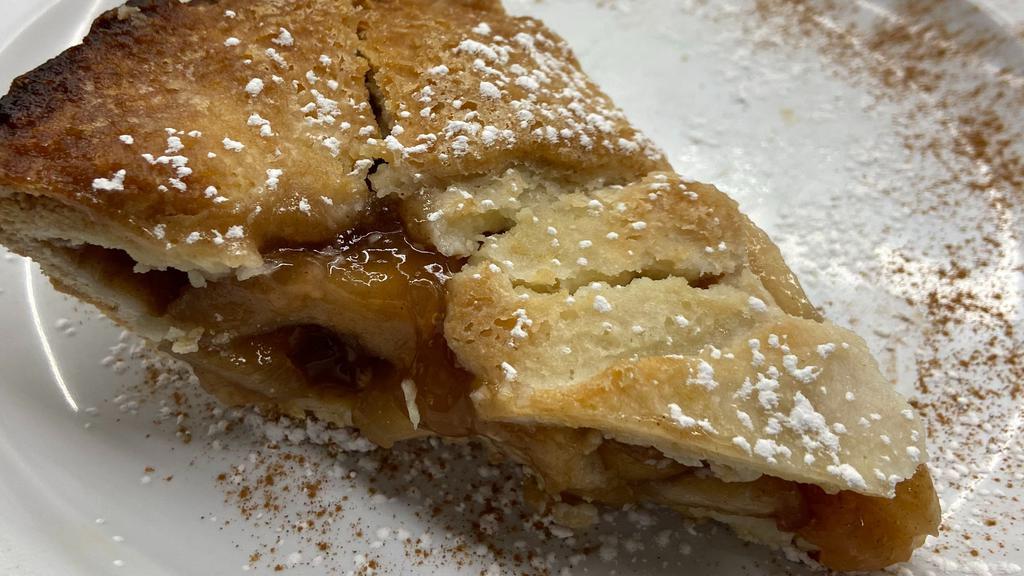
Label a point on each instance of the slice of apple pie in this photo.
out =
(420, 217)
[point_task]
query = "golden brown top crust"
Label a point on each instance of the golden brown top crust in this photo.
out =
(209, 130)
(466, 89)
(643, 312)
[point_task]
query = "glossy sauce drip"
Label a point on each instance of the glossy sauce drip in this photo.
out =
(387, 260)
(393, 293)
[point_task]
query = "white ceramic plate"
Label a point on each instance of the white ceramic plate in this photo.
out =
(871, 181)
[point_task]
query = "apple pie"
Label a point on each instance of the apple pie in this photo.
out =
(420, 217)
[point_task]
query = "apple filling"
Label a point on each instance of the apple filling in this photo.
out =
(352, 334)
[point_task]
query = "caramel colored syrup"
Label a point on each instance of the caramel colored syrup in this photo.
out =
(389, 261)
(858, 532)
(348, 322)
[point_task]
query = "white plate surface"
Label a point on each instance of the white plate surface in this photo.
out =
(899, 220)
